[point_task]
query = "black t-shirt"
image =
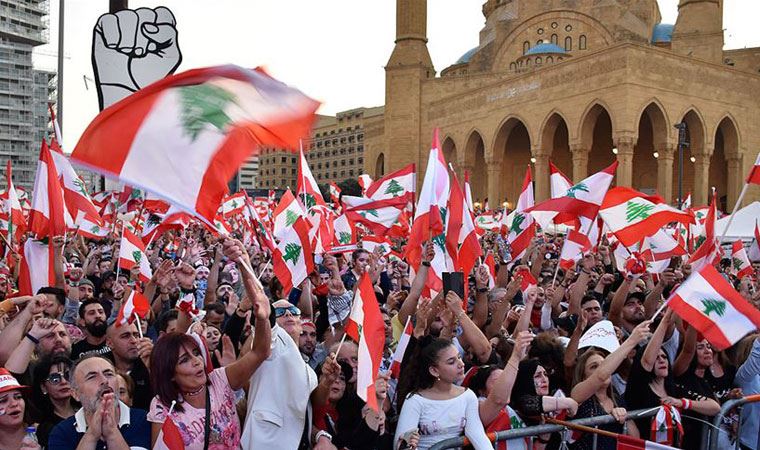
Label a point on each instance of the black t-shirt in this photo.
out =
(84, 348)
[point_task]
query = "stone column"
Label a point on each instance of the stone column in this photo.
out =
(541, 177)
(735, 182)
(494, 183)
(625, 161)
(665, 171)
(701, 194)
(580, 162)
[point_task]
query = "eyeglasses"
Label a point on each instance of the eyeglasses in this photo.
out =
(57, 378)
(279, 312)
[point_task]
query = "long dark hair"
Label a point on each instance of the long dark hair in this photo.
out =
(163, 364)
(41, 407)
(417, 375)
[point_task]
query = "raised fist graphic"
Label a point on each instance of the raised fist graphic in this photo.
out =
(131, 49)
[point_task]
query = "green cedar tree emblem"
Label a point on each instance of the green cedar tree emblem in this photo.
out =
(714, 305)
(634, 211)
(517, 221)
(80, 186)
(203, 105)
(344, 238)
(516, 423)
(153, 220)
(137, 256)
(234, 204)
(700, 240)
(394, 188)
(309, 201)
(578, 187)
(371, 212)
(440, 241)
(292, 253)
(290, 218)
(737, 263)
(95, 229)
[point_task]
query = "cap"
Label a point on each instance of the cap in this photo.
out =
(86, 281)
(8, 382)
(308, 323)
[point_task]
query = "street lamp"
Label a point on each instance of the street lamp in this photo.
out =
(681, 127)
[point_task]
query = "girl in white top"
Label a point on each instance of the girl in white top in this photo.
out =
(437, 409)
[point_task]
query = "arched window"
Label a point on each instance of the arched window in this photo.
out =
(379, 166)
(539, 60)
(549, 60)
(526, 47)
(568, 43)
(527, 62)
(582, 42)
(555, 39)
(512, 66)
(539, 42)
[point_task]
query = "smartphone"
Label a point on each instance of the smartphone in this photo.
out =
(453, 281)
(675, 262)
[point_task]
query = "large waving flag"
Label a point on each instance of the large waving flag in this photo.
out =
(709, 252)
(399, 184)
(710, 304)
(75, 196)
(576, 244)
(521, 226)
(580, 201)
(365, 326)
(132, 253)
(632, 216)
(47, 217)
(293, 260)
(559, 182)
(378, 216)
(462, 238)
(431, 204)
(286, 214)
(185, 136)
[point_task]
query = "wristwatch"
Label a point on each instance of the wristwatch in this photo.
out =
(321, 433)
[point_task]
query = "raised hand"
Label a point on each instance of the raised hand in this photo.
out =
(227, 355)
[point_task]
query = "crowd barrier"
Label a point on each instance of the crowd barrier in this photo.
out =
(712, 435)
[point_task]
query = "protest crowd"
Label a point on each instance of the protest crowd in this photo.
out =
(391, 320)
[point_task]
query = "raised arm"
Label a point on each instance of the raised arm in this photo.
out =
(14, 331)
(652, 301)
(410, 302)
(501, 391)
(653, 347)
(503, 304)
(471, 334)
(523, 323)
(618, 300)
(480, 310)
(683, 360)
(58, 243)
(213, 277)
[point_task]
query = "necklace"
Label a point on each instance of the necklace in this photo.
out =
(196, 392)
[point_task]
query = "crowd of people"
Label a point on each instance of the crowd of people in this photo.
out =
(251, 366)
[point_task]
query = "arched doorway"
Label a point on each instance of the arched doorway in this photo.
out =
(475, 158)
(596, 136)
(555, 143)
(695, 138)
(513, 143)
(652, 135)
(380, 166)
(449, 149)
(726, 147)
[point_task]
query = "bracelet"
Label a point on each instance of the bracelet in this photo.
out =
(32, 338)
(321, 433)
(685, 404)
(426, 263)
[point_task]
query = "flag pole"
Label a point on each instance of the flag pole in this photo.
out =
(118, 266)
(342, 340)
(733, 212)
(301, 161)
(139, 325)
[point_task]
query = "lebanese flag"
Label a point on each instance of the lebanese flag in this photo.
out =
(377, 216)
(399, 184)
(169, 438)
(432, 201)
(709, 303)
(754, 174)
(754, 249)
(462, 237)
(317, 214)
(233, 204)
(398, 354)
(371, 244)
(91, 229)
(657, 250)
(559, 184)
(468, 192)
(75, 194)
(632, 216)
(528, 280)
(36, 270)
(135, 305)
(286, 214)
(580, 200)
(522, 227)
(344, 231)
(208, 365)
(16, 221)
(132, 253)
(292, 259)
(740, 265)
(365, 326)
(47, 217)
(709, 252)
(307, 189)
(334, 195)
(486, 222)
(625, 442)
(262, 232)
(365, 181)
(185, 136)
(686, 204)
(490, 263)
(576, 244)
(157, 223)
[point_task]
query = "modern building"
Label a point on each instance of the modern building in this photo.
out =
(335, 151)
(24, 91)
(248, 173)
(580, 84)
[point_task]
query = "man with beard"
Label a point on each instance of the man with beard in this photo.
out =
(313, 353)
(103, 421)
(46, 338)
(92, 318)
(131, 355)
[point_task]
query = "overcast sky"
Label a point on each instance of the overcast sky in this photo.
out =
(333, 50)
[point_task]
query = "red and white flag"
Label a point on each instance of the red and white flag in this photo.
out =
(318, 216)
(36, 270)
(371, 244)
(132, 253)
(16, 223)
(286, 214)
(576, 244)
(398, 354)
(754, 248)
(658, 249)
(376, 216)
(75, 196)
(740, 265)
(461, 235)
(400, 184)
(709, 252)
(468, 192)
(632, 216)
(334, 195)
(754, 174)
(233, 204)
(91, 229)
(579, 201)
(169, 438)
(364, 182)
(344, 231)
(135, 305)
(521, 227)
(211, 120)
(292, 259)
(490, 264)
(559, 182)
(365, 326)
(710, 304)
(625, 442)
(47, 217)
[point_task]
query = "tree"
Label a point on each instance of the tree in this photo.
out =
(292, 253)
(714, 305)
(517, 221)
(290, 217)
(203, 105)
(634, 211)
(344, 237)
(578, 187)
(394, 188)
(137, 256)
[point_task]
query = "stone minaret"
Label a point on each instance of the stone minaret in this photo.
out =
(699, 30)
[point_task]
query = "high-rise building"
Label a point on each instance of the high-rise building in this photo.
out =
(248, 172)
(24, 91)
(335, 151)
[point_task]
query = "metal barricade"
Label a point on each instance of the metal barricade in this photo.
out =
(543, 429)
(728, 406)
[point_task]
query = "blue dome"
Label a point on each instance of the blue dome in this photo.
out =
(467, 56)
(663, 32)
(545, 48)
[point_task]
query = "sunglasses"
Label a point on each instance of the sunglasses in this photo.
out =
(279, 312)
(57, 378)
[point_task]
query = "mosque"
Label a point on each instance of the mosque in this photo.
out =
(580, 83)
